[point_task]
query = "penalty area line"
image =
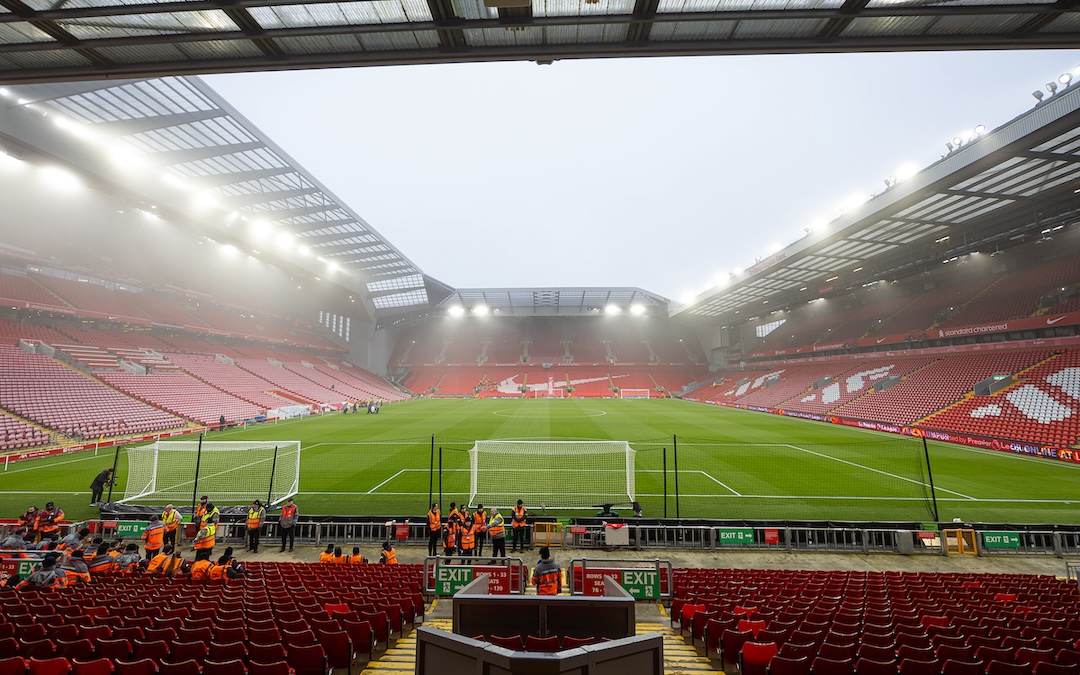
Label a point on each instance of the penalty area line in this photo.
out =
(878, 471)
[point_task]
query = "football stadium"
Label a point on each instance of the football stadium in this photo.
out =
(243, 431)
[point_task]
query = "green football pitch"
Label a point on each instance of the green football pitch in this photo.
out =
(732, 464)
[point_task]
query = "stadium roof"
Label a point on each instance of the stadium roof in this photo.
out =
(182, 127)
(553, 301)
(1017, 183)
(49, 40)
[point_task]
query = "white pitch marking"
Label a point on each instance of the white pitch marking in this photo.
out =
(884, 473)
(386, 481)
(721, 484)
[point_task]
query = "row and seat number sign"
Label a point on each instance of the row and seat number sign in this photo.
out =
(643, 584)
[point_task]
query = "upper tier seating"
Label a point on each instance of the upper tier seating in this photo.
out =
(1017, 295)
(289, 381)
(25, 289)
(92, 297)
(184, 395)
(53, 395)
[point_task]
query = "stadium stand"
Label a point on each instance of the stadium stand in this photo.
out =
(11, 332)
(23, 289)
(288, 383)
(91, 297)
(1015, 295)
(887, 616)
(17, 435)
(936, 386)
(56, 396)
(1039, 407)
(228, 378)
(183, 395)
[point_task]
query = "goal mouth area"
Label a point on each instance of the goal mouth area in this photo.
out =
(560, 474)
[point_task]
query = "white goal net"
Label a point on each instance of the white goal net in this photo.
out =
(544, 393)
(634, 393)
(552, 474)
(235, 472)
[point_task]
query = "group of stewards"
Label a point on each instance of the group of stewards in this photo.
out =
(335, 556)
(464, 533)
(42, 524)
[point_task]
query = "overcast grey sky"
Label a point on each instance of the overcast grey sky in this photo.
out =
(659, 173)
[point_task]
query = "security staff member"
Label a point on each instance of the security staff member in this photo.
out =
(255, 517)
(388, 555)
(479, 527)
(206, 538)
(171, 519)
(497, 531)
(547, 576)
(154, 536)
(434, 523)
(517, 519)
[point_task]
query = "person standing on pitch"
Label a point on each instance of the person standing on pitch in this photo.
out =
(255, 517)
(518, 522)
(97, 487)
(434, 523)
(287, 523)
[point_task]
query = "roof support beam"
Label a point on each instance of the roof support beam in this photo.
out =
(143, 124)
(172, 157)
(221, 179)
(240, 201)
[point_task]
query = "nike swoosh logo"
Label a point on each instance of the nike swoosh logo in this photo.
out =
(880, 340)
(1051, 322)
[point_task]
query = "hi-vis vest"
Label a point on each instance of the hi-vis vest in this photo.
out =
(154, 536)
(255, 517)
(207, 536)
(495, 525)
(479, 519)
(519, 516)
(468, 539)
(171, 520)
(434, 520)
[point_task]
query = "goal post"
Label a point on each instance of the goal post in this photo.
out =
(552, 474)
(231, 471)
(544, 393)
(635, 393)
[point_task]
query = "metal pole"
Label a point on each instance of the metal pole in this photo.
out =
(675, 452)
(431, 473)
(270, 488)
(115, 462)
(930, 475)
(440, 474)
(195, 483)
(665, 482)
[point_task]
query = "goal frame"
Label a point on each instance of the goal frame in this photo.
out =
(635, 393)
(284, 457)
(544, 393)
(549, 466)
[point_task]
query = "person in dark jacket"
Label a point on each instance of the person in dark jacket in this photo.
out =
(97, 487)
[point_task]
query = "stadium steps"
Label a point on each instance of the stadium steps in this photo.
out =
(679, 657)
(960, 310)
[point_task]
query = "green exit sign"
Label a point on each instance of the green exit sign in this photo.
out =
(1001, 540)
(734, 535)
(449, 579)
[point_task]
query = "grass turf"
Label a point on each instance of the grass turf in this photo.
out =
(732, 464)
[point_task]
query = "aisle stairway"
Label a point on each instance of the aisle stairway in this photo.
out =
(679, 656)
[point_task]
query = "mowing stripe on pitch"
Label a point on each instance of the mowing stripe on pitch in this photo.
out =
(879, 471)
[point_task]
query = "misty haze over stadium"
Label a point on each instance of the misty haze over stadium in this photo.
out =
(661, 173)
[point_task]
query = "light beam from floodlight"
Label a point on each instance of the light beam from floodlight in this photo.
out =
(637, 309)
(456, 310)
(480, 310)
(612, 310)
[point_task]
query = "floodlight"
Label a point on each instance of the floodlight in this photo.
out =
(980, 129)
(229, 251)
(284, 241)
(949, 146)
(907, 170)
(260, 229)
(4, 91)
(1051, 87)
(332, 267)
(688, 298)
(480, 310)
(957, 141)
(61, 179)
(1038, 95)
(637, 309)
(612, 310)
(1065, 79)
(304, 250)
(125, 158)
(456, 310)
